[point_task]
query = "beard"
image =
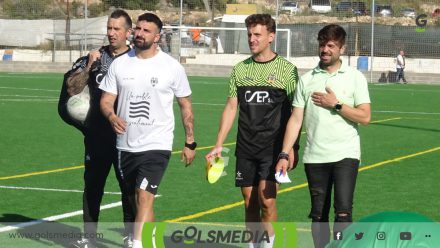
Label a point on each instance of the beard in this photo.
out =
(142, 44)
(333, 60)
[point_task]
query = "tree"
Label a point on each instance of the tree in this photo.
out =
(27, 9)
(133, 4)
(192, 4)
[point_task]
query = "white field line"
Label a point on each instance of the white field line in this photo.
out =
(30, 100)
(57, 217)
(376, 111)
(403, 112)
(209, 104)
(20, 75)
(54, 218)
(408, 90)
(33, 89)
(28, 96)
(54, 190)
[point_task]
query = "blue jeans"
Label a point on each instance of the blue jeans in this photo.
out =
(321, 178)
(400, 74)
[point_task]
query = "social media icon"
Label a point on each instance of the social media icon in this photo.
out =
(405, 236)
(380, 236)
(338, 236)
(358, 236)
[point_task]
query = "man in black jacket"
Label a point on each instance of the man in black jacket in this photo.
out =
(99, 138)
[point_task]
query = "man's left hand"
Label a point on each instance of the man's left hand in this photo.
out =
(187, 156)
(293, 159)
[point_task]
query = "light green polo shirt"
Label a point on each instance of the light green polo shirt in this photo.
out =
(330, 137)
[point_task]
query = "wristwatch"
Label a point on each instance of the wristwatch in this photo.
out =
(283, 155)
(338, 107)
(191, 146)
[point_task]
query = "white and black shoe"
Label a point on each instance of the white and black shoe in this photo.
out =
(128, 241)
(83, 243)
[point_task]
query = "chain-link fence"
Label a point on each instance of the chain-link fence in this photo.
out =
(62, 30)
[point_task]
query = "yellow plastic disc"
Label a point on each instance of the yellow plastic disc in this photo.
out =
(214, 169)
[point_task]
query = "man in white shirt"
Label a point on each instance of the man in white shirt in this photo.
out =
(400, 67)
(145, 81)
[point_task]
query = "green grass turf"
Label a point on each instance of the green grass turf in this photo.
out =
(34, 139)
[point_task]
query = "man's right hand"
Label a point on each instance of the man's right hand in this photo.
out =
(282, 166)
(94, 55)
(215, 152)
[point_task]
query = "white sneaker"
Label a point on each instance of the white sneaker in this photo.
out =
(83, 243)
(128, 241)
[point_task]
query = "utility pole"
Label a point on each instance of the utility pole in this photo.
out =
(213, 38)
(85, 24)
(67, 24)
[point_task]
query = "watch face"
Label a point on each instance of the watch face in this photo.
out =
(338, 106)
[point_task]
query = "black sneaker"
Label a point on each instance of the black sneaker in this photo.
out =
(83, 243)
(128, 241)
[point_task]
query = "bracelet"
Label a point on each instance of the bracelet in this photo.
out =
(296, 147)
(283, 155)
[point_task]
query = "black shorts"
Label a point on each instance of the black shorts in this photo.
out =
(143, 170)
(249, 172)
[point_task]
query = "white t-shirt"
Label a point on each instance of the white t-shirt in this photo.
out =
(146, 90)
(400, 63)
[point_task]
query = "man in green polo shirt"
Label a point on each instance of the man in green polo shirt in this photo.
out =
(331, 99)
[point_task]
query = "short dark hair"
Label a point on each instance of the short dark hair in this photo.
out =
(262, 19)
(332, 32)
(150, 17)
(121, 13)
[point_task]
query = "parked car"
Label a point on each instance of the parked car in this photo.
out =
(436, 13)
(320, 6)
(291, 8)
(357, 7)
(384, 9)
(408, 12)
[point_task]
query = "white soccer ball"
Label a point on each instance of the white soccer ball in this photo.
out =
(78, 105)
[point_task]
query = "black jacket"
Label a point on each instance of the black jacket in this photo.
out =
(95, 122)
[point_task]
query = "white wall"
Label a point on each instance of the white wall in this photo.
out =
(198, 57)
(380, 63)
(31, 33)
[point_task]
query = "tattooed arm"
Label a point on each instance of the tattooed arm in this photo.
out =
(78, 80)
(188, 124)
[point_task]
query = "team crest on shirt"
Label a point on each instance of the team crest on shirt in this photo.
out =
(154, 81)
(271, 78)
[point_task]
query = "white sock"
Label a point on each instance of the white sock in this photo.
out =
(270, 244)
(137, 243)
